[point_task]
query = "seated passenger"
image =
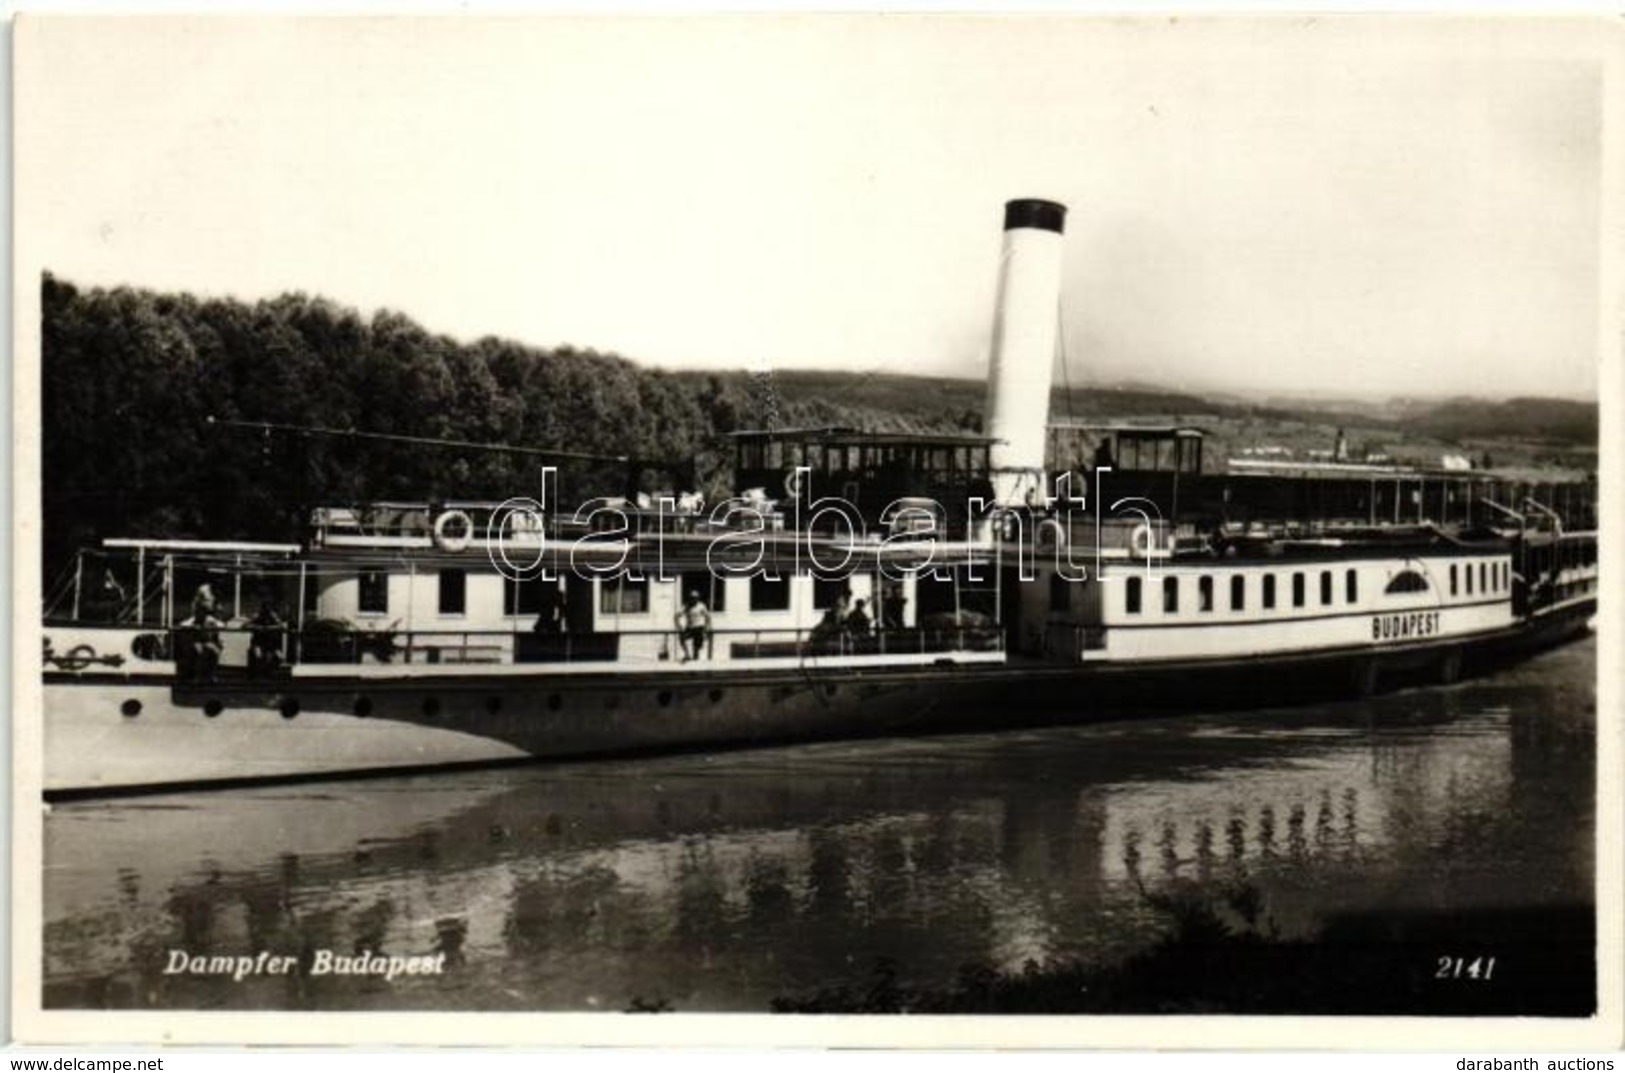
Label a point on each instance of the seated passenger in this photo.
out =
(197, 645)
(265, 642)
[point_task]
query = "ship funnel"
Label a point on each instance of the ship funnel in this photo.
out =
(1021, 365)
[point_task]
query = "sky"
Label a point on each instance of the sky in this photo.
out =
(1342, 207)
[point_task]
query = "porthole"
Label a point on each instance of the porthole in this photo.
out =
(493, 704)
(212, 707)
(289, 707)
(716, 696)
(130, 708)
(664, 698)
(831, 689)
(554, 701)
(431, 706)
(362, 706)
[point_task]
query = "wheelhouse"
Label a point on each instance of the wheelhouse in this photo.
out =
(871, 470)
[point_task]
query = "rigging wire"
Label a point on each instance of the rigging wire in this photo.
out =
(1066, 364)
(428, 441)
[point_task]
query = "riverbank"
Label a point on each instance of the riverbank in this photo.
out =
(1513, 962)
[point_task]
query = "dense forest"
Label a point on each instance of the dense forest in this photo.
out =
(131, 379)
(139, 389)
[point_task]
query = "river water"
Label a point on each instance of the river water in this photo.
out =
(724, 882)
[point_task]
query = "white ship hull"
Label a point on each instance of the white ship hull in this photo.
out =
(115, 733)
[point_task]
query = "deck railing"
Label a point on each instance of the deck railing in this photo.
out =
(200, 652)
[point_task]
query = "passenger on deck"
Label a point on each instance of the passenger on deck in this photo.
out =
(842, 611)
(198, 644)
(112, 597)
(265, 643)
(551, 618)
(857, 623)
(693, 622)
(826, 636)
(892, 607)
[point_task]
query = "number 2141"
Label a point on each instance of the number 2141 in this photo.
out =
(1480, 968)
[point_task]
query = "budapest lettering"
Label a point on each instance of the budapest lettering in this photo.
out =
(1399, 627)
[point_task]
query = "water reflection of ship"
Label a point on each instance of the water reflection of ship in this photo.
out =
(570, 888)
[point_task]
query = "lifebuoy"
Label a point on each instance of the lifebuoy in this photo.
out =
(792, 484)
(448, 542)
(1140, 540)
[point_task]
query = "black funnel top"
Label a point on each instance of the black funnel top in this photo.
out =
(1035, 212)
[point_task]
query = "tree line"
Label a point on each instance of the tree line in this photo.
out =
(130, 380)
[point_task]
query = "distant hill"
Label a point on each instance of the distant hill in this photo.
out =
(1557, 421)
(942, 403)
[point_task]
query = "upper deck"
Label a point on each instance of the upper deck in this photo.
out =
(869, 470)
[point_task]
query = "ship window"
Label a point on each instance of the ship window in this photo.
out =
(1482, 577)
(1238, 592)
(1170, 594)
(313, 592)
(623, 596)
(1131, 596)
(1204, 592)
(1453, 586)
(529, 596)
(769, 593)
(827, 592)
(1351, 585)
(1325, 587)
(1297, 590)
(453, 592)
(1060, 593)
(1468, 573)
(373, 598)
(1408, 581)
(1269, 592)
(712, 589)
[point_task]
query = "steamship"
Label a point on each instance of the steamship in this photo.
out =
(861, 584)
